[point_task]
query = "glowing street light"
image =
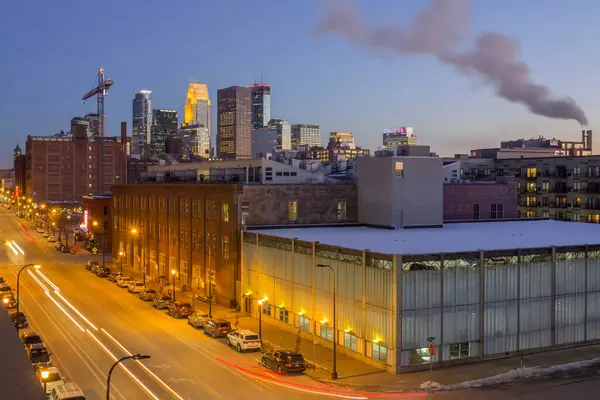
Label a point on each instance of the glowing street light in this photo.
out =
(18, 287)
(45, 375)
(260, 311)
(173, 272)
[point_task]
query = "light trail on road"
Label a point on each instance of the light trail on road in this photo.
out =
(9, 244)
(38, 281)
(65, 311)
(18, 248)
(76, 310)
(44, 277)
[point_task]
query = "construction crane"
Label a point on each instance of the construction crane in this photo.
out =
(100, 91)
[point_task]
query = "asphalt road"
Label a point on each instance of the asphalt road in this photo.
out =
(87, 322)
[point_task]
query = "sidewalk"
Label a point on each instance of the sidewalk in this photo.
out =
(355, 374)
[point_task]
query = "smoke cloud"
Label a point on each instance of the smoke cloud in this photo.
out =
(437, 30)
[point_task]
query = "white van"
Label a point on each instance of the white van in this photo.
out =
(67, 391)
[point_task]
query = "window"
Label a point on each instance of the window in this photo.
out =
(577, 202)
(208, 244)
(545, 214)
(181, 237)
(278, 174)
(399, 167)
(245, 212)
(576, 217)
(496, 212)
(326, 332)
(341, 210)
(303, 323)
(545, 186)
(214, 244)
(187, 239)
(576, 171)
(207, 212)
(293, 210)
(214, 210)
(266, 309)
(286, 174)
(460, 350)
(531, 201)
(531, 172)
(475, 211)
(225, 212)
(225, 247)
(531, 187)
(350, 341)
(293, 174)
(194, 205)
(379, 352)
(576, 186)
(284, 314)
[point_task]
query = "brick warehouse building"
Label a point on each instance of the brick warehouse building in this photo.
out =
(195, 228)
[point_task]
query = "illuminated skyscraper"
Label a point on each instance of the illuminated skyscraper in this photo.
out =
(197, 106)
(234, 123)
(306, 135)
(261, 105)
(142, 121)
(164, 125)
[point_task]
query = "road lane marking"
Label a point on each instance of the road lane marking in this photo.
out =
(124, 368)
(160, 381)
(73, 344)
(76, 310)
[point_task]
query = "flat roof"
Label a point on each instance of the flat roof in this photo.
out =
(452, 238)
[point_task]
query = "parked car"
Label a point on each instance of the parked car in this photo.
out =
(197, 319)
(53, 380)
(65, 249)
(19, 321)
(243, 340)
(180, 310)
(5, 288)
(114, 276)
(39, 355)
(8, 300)
(89, 265)
(46, 234)
(103, 272)
(284, 361)
(67, 391)
(40, 229)
(161, 302)
(51, 239)
(136, 287)
(123, 281)
(148, 294)
(217, 327)
(30, 338)
(59, 245)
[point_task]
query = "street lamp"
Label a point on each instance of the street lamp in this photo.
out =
(18, 287)
(334, 374)
(133, 232)
(260, 302)
(173, 272)
(133, 357)
(45, 374)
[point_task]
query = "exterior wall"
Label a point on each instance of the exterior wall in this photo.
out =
(460, 200)
(20, 174)
(299, 294)
(181, 227)
(65, 169)
(316, 204)
(489, 305)
(99, 210)
(412, 198)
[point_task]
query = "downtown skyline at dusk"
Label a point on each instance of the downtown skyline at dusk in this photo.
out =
(315, 78)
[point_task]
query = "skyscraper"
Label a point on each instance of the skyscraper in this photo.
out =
(164, 125)
(142, 121)
(234, 125)
(94, 124)
(197, 106)
(261, 105)
(306, 135)
(195, 142)
(284, 133)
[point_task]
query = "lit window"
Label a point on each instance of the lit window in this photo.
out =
(89, 185)
(341, 210)
(399, 168)
(293, 210)
(326, 333)
(225, 247)
(379, 352)
(225, 212)
(531, 172)
(350, 341)
(303, 323)
(460, 350)
(284, 314)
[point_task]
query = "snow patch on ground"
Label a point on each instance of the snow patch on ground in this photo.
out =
(513, 375)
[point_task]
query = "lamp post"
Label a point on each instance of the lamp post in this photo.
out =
(173, 272)
(121, 254)
(133, 232)
(260, 303)
(134, 357)
(45, 374)
(18, 286)
(334, 374)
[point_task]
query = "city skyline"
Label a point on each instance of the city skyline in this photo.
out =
(450, 112)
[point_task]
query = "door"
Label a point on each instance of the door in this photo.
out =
(248, 304)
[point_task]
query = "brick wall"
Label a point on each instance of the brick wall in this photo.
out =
(460, 199)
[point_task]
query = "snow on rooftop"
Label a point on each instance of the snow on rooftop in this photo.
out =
(452, 238)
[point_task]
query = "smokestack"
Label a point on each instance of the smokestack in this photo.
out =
(123, 132)
(437, 30)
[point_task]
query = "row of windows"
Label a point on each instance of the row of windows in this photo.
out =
(496, 211)
(184, 206)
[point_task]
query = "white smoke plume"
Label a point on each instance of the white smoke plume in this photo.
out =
(437, 30)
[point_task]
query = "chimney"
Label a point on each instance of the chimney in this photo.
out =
(123, 132)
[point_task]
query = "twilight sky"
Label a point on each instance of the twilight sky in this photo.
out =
(51, 50)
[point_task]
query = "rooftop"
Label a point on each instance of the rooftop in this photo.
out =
(452, 238)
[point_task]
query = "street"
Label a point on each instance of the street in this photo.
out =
(88, 322)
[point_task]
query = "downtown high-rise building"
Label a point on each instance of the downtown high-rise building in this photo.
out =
(94, 124)
(234, 123)
(195, 142)
(306, 135)
(164, 125)
(261, 105)
(197, 106)
(142, 122)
